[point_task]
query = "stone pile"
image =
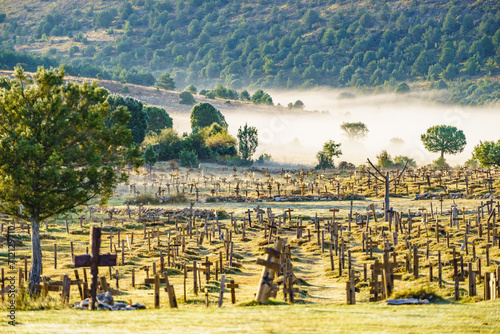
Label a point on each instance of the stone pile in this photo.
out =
(105, 302)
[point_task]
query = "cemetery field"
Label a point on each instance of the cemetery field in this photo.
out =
(361, 318)
(314, 247)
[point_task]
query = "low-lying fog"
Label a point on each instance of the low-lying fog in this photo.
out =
(296, 137)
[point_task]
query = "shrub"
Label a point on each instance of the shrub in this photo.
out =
(188, 158)
(186, 98)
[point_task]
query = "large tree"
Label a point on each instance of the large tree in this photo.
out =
(60, 147)
(444, 139)
(488, 153)
(355, 130)
(204, 114)
(158, 119)
(138, 122)
(325, 156)
(248, 141)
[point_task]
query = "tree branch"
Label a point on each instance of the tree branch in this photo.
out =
(383, 176)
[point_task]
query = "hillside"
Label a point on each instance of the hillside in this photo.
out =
(368, 45)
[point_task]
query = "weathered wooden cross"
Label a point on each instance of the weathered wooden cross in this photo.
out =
(95, 261)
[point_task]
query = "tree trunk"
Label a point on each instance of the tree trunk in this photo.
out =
(36, 254)
(387, 204)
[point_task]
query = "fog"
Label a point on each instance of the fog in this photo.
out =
(296, 136)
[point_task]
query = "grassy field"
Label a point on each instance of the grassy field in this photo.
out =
(483, 317)
(320, 302)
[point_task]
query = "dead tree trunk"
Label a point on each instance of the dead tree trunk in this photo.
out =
(386, 180)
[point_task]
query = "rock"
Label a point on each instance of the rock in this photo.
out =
(130, 308)
(104, 306)
(105, 297)
(138, 306)
(85, 303)
(119, 304)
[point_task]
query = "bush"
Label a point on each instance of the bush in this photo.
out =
(384, 159)
(440, 163)
(346, 165)
(204, 114)
(402, 88)
(264, 157)
(186, 98)
(188, 158)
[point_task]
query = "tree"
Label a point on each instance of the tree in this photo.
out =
(488, 153)
(402, 88)
(444, 139)
(204, 114)
(401, 160)
(262, 97)
(325, 156)
(191, 88)
(248, 141)
(158, 119)
(165, 81)
(186, 98)
(188, 158)
(150, 157)
(384, 159)
(353, 131)
(138, 122)
(310, 18)
(60, 147)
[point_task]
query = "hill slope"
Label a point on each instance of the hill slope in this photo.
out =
(283, 44)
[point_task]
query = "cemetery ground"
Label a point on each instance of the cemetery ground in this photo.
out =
(440, 243)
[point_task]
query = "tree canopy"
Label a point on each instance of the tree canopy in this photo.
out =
(444, 139)
(204, 114)
(60, 146)
(488, 153)
(248, 141)
(138, 122)
(326, 155)
(355, 130)
(158, 119)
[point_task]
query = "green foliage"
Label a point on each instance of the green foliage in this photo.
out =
(444, 139)
(165, 82)
(186, 98)
(192, 89)
(440, 163)
(326, 155)
(262, 98)
(188, 158)
(60, 147)
(401, 161)
(384, 159)
(158, 119)
(138, 122)
(263, 45)
(297, 105)
(150, 157)
(353, 131)
(248, 141)
(488, 153)
(402, 88)
(263, 158)
(204, 114)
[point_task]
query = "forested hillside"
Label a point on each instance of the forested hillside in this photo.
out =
(369, 45)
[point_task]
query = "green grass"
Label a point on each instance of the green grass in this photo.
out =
(374, 318)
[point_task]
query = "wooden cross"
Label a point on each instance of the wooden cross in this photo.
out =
(95, 261)
(232, 286)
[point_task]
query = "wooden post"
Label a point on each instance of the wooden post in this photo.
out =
(55, 256)
(157, 291)
(221, 291)
(271, 267)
